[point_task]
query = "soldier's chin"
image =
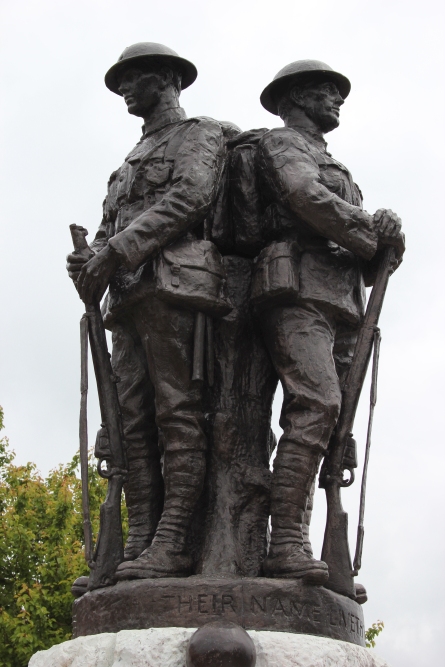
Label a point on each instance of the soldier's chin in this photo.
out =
(134, 110)
(329, 122)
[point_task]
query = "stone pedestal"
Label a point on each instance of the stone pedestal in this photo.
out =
(166, 647)
(257, 603)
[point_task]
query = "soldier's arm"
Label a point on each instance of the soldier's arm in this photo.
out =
(195, 179)
(294, 176)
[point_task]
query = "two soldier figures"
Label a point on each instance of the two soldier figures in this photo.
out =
(194, 200)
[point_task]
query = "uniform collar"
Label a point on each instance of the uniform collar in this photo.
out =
(167, 117)
(312, 137)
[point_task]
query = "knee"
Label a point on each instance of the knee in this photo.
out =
(329, 413)
(310, 423)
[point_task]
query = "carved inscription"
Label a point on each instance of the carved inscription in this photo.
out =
(203, 603)
(335, 616)
(275, 606)
(356, 625)
(288, 609)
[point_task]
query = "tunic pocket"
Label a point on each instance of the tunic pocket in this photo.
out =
(157, 173)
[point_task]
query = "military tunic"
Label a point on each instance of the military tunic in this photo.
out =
(312, 201)
(163, 191)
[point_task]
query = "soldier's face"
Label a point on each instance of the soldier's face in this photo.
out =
(322, 102)
(141, 90)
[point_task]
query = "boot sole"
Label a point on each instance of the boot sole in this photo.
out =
(309, 573)
(313, 578)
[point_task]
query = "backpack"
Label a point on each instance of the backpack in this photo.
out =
(236, 223)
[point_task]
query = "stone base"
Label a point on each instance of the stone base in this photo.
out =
(166, 647)
(283, 605)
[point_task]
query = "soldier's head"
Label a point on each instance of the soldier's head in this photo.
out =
(145, 84)
(310, 88)
(148, 74)
(320, 102)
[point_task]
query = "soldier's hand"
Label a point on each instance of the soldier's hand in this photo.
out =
(389, 228)
(95, 275)
(75, 261)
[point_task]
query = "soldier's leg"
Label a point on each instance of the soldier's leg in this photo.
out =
(344, 345)
(144, 489)
(300, 341)
(167, 336)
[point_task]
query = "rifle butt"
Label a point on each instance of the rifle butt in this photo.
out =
(109, 552)
(335, 551)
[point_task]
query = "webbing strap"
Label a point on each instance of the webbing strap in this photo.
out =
(83, 439)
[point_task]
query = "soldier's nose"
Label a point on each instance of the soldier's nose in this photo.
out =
(124, 87)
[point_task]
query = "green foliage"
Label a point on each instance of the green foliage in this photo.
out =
(41, 552)
(373, 632)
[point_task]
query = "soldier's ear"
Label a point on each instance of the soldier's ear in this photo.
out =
(170, 78)
(295, 94)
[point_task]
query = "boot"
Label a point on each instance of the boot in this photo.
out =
(290, 552)
(167, 556)
(144, 494)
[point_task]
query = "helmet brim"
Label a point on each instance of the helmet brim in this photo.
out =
(270, 94)
(185, 67)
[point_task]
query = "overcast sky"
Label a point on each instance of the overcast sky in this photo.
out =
(63, 133)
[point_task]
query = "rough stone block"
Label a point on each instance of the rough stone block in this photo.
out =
(95, 650)
(166, 647)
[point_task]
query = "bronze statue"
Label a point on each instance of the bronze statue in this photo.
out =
(233, 260)
(309, 285)
(160, 195)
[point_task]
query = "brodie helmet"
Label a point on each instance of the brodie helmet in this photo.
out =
(144, 51)
(302, 71)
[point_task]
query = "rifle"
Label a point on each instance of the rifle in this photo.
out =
(335, 552)
(109, 551)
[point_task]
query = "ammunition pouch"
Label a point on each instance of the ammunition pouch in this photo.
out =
(190, 274)
(276, 278)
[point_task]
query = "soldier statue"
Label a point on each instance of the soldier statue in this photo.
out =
(321, 251)
(154, 212)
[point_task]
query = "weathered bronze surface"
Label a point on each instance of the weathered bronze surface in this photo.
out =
(254, 603)
(233, 261)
